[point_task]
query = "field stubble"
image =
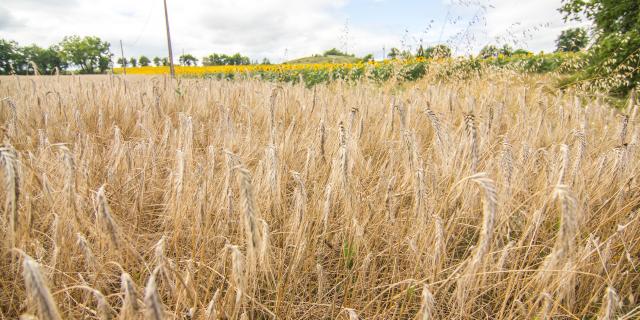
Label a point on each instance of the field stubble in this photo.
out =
(138, 197)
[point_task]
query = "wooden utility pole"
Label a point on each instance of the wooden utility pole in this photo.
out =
(124, 61)
(166, 20)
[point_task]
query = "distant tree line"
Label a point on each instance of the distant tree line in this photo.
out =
(221, 59)
(187, 59)
(87, 55)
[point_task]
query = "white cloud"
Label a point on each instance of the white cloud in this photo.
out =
(530, 24)
(258, 28)
(7, 20)
(255, 28)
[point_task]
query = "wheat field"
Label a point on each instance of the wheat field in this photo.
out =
(144, 198)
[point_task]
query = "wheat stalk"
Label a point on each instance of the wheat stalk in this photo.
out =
(154, 309)
(37, 290)
(104, 219)
(427, 305)
(10, 164)
(130, 304)
(610, 305)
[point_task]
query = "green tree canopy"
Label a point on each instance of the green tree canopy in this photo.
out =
(123, 62)
(394, 53)
(216, 59)
(47, 61)
(614, 58)
(144, 61)
(89, 54)
(573, 40)
(188, 60)
(8, 56)
(157, 61)
(336, 52)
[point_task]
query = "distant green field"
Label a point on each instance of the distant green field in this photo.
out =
(324, 59)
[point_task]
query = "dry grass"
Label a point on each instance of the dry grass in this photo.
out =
(142, 198)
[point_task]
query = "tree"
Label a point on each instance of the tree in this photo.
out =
(223, 59)
(489, 51)
(90, 54)
(144, 61)
(615, 55)
(123, 62)
(165, 61)
(437, 52)
(188, 60)
(47, 61)
(134, 62)
(212, 60)
(8, 56)
(157, 61)
(367, 57)
(265, 61)
(572, 40)
(393, 53)
(336, 52)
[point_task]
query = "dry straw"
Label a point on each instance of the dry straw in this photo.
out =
(37, 290)
(372, 211)
(154, 310)
(9, 162)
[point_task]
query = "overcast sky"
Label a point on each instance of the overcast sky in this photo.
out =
(286, 29)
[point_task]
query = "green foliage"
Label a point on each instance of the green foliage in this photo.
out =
(460, 69)
(188, 60)
(522, 52)
(437, 52)
(614, 58)
(489, 51)
(574, 40)
(89, 54)
(348, 254)
(47, 61)
(336, 52)
(413, 71)
(157, 61)
(317, 59)
(367, 57)
(123, 62)
(8, 56)
(134, 62)
(144, 61)
(216, 59)
(506, 50)
(21, 60)
(394, 53)
(381, 73)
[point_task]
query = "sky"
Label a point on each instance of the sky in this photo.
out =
(282, 30)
